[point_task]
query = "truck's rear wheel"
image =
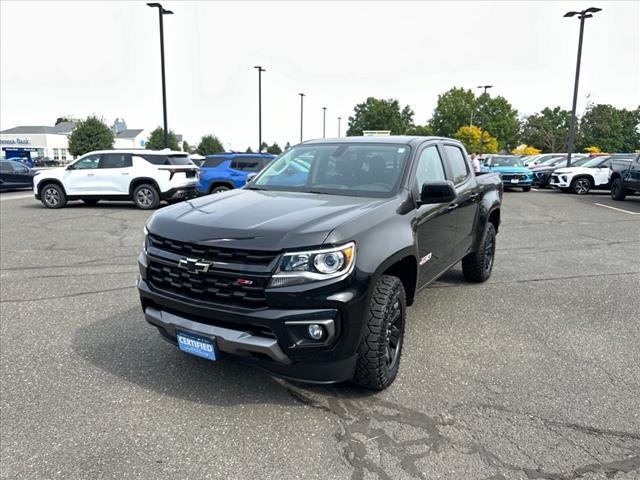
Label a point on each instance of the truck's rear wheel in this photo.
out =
(617, 189)
(477, 266)
(381, 346)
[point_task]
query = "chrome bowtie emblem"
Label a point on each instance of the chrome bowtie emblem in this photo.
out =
(194, 265)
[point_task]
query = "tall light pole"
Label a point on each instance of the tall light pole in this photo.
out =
(301, 113)
(260, 70)
(583, 15)
(339, 118)
(486, 87)
(324, 121)
(161, 13)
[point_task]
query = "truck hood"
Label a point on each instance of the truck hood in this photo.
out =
(259, 220)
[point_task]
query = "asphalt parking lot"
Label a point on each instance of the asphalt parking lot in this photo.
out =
(534, 374)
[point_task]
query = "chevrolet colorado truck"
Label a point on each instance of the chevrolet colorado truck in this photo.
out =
(308, 270)
(624, 175)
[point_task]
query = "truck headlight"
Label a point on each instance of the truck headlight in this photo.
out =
(313, 266)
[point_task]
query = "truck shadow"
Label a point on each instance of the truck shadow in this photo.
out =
(127, 347)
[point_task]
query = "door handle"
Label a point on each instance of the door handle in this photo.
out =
(451, 207)
(90, 174)
(124, 173)
(474, 196)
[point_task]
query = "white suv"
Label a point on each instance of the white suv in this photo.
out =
(580, 180)
(144, 176)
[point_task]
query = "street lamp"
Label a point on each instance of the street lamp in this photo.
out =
(260, 70)
(584, 14)
(339, 118)
(161, 13)
(301, 112)
(484, 105)
(324, 118)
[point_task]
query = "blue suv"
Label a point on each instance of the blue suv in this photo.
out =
(225, 171)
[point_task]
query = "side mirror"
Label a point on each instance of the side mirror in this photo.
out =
(437, 192)
(251, 177)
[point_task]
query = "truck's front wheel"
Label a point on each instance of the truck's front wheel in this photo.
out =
(477, 266)
(381, 346)
(617, 189)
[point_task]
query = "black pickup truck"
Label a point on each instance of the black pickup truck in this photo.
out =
(308, 270)
(624, 176)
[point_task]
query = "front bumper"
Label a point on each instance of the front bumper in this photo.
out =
(270, 337)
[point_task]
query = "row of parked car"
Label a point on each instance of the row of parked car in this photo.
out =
(145, 177)
(586, 173)
(148, 177)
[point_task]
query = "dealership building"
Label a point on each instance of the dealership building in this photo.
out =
(37, 141)
(28, 142)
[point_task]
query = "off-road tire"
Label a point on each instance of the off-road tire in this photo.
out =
(53, 196)
(617, 189)
(477, 266)
(146, 197)
(385, 320)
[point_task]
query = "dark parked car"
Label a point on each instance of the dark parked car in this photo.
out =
(542, 173)
(15, 175)
(624, 175)
(310, 279)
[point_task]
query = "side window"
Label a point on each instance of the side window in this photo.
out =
(87, 163)
(115, 160)
(212, 162)
(430, 167)
(459, 167)
(19, 168)
(5, 167)
(246, 164)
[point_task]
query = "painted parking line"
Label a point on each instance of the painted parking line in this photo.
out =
(617, 209)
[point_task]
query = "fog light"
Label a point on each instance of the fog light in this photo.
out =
(315, 331)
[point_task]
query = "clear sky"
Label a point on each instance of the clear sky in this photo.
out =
(81, 58)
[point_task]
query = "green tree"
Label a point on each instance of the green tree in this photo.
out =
(61, 119)
(209, 144)
(156, 140)
(610, 129)
(455, 108)
(263, 147)
(547, 130)
(421, 130)
(501, 119)
(274, 149)
(287, 146)
(249, 150)
(186, 147)
(89, 135)
(470, 138)
(380, 114)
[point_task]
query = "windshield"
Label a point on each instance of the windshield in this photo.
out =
(339, 169)
(506, 162)
(549, 161)
(594, 162)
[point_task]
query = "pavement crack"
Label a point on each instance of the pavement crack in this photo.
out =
(71, 295)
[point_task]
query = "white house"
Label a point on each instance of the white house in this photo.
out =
(131, 138)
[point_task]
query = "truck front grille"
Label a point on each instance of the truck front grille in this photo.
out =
(510, 176)
(237, 289)
(207, 252)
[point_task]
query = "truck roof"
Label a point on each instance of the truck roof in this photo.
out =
(393, 139)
